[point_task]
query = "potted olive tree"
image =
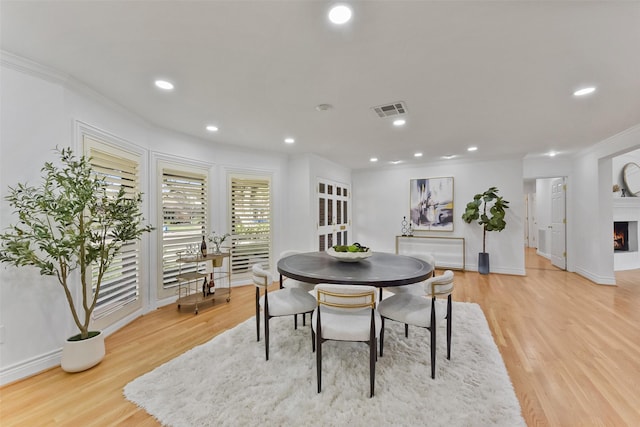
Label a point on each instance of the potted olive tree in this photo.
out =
(72, 221)
(491, 221)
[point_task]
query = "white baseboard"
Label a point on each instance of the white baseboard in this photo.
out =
(38, 364)
(599, 280)
(30, 367)
(542, 254)
(497, 270)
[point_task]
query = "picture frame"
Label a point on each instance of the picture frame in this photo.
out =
(431, 204)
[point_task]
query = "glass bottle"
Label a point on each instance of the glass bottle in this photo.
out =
(203, 247)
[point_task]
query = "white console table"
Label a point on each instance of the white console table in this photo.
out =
(447, 251)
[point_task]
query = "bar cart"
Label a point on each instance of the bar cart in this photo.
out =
(204, 283)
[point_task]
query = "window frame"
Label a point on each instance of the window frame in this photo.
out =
(103, 316)
(241, 262)
(185, 170)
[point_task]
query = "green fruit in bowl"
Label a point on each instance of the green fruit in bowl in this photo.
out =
(356, 247)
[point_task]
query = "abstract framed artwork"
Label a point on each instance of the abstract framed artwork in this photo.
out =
(431, 205)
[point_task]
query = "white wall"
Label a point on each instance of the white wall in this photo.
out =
(300, 233)
(381, 199)
(589, 182)
(40, 110)
(593, 217)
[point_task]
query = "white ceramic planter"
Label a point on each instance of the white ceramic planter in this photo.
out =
(81, 355)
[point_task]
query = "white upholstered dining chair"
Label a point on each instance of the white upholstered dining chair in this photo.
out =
(346, 313)
(414, 288)
(281, 302)
(420, 310)
(288, 282)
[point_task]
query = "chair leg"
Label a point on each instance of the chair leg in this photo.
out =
(449, 319)
(319, 352)
(406, 330)
(372, 355)
(381, 336)
(266, 336)
(258, 313)
(432, 329)
(304, 319)
(266, 325)
(313, 341)
(372, 366)
(295, 321)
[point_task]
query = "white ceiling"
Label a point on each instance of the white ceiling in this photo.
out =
(499, 75)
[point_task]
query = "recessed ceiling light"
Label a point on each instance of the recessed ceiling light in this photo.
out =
(163, 84)
(212, 128)
(395, 162)
(584, 91)
(448, 156)
(472, 148)
(399, 122)
(289, 140)
(552, 153)
(373, 159)
(340, 14)
(324, 107)
(417, 155)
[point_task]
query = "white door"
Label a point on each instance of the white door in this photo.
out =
(533, 222)
(558, 223)
(334, 217)
(526, 220)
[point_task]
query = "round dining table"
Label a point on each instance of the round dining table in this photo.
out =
(380, 269)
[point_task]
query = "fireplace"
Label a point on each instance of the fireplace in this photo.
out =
(626, 233)
(621, 236)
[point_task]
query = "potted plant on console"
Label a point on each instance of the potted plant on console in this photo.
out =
(73, 220)
(493, 221)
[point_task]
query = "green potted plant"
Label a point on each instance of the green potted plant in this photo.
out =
(493, 221)
(72, 221)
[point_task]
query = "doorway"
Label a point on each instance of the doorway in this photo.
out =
(545, 223)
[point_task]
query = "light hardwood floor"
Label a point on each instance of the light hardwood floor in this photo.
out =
(572, 349)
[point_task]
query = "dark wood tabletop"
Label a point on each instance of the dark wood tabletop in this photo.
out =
(380, 269)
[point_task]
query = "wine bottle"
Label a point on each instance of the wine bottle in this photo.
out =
(203, 247)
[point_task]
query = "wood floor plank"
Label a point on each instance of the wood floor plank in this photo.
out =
(572, 350)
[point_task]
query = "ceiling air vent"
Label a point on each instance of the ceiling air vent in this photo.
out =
(388, 110)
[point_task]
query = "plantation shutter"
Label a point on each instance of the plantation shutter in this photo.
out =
(250, 222)
(185, 218)
(120, 283)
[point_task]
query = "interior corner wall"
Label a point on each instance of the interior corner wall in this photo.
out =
(39, 112)
(32, 110)
(593, 219)
(300, 223)
(381, 200)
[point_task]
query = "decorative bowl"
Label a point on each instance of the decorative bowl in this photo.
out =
(349, 256)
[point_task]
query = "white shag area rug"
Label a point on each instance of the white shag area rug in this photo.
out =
(227, 382)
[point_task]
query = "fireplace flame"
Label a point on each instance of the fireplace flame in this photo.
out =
(620, 236)
(618, 241)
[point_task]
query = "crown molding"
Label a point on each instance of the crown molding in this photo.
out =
(33, 68)
(615, 144)
(28, 66)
